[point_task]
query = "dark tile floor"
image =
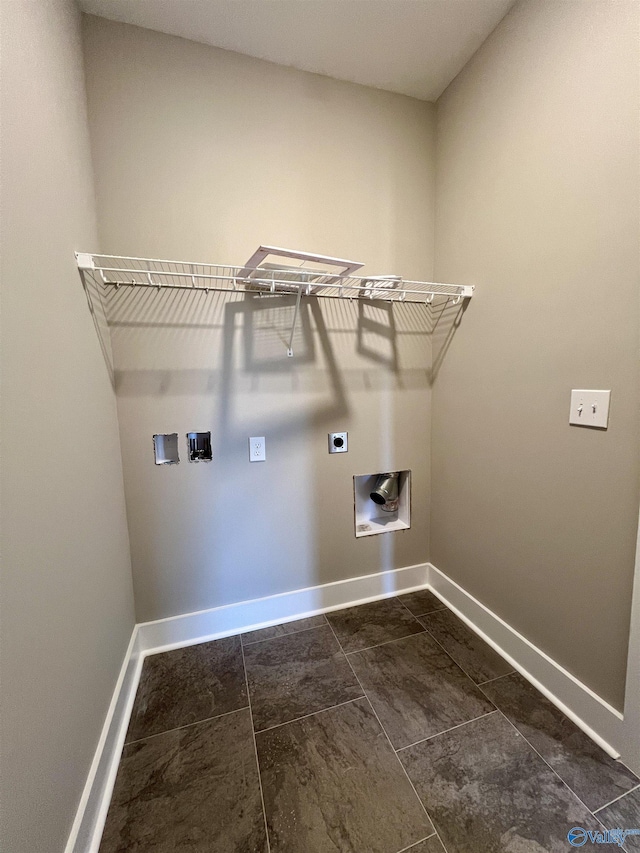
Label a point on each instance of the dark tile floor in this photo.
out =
(382, 728)
(624, 814)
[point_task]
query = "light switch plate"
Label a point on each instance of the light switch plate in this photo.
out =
(257, 449)
(590, 408)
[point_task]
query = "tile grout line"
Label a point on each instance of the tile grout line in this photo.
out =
(244, 642)
(404, 769)
(255, 750)
(415, 843)
(279, 636)
(450, 656)
(626, 766)
(419, 615)
(186, 726)
(422, 615)
(615, 800)
(311, 714)
(431, 634)
(439, 837)
(555, 772)
(446, 731)
(385, 643)
(496, 678)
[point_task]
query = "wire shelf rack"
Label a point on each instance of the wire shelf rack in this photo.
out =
(115, 271)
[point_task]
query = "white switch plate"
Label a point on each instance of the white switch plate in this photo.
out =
(590, 408)
(257, 449)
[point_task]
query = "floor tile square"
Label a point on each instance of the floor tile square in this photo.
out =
(372, 624)
(284, 629)
(487, 790)
(624, 814)
(194, 788)
(296, 675)
(594, 776)
(416, 689)
(187, 685)
(477, 658)
(421, 602)
(331, 782)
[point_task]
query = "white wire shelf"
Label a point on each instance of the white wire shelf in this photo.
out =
(115, 271)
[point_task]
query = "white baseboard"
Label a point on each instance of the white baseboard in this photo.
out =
(189, 628)
(631, 746)
(92, 811)
(602, 722)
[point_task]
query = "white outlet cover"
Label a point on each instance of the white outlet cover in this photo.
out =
(257, 449)
(590, 408)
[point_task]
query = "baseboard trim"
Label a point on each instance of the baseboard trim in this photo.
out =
(92, 810)
(190, 628)
(602, 722)
(599, 720)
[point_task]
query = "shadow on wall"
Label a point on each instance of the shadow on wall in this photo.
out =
(376, 320)
(96, 301)
(405, 339)
(265, 337)
(445, 319)
(191, 360)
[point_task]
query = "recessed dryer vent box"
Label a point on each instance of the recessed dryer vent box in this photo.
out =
(370, 518)
(199, 444)
(165, 448)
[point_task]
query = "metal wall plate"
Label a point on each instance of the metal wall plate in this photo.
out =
(165, 448)
(338, 442)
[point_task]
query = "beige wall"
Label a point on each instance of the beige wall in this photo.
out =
(537, 204)
(67, 603)
(202, 154)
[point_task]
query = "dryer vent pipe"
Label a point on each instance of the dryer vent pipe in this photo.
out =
(385, 493)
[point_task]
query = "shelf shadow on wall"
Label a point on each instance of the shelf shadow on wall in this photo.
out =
(403, 339)
(376, 320)
(264, 351)
(183, 330)
(266, 336)
(97, 308)
(445, 319)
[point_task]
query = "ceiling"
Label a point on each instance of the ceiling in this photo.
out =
(415, 47)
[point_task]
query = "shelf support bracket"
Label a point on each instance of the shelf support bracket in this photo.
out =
(293, 325)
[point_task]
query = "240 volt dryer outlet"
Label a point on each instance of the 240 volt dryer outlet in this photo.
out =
(338, 442)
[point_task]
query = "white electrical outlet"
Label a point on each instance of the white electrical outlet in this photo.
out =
(257, 449)
(590, 408)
